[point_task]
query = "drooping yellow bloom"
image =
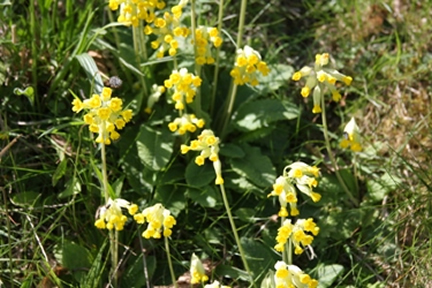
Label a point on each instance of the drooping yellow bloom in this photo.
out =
(111, 215)
(319, 78)
(105, 115)
(132, 11)
(184, 85)
(291, 276)
(160, 221)
(297, 234)
(247, 66)
(351, 137)
(197, 271)
(188, 122)
(208, 145)
(205, 37)
(303, 177)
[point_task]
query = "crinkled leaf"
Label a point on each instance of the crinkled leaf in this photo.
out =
(207, 196)
(279, 75)
(259, 256)
(256, 167)
(96, 271)
(231, 151)
(134, 275)
(73, 186)
(171, 197)
(199, 176)
(154, 147)
(75, 258)
(89, 65)
(261, 113)
(246, 214)
(327, 274)
(378, 188)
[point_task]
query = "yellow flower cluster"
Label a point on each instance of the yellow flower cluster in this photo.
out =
(301, 176)
(184, 85)
(157, 91)
(197, 271)
(248, 64)
(105, 116)
(131, 11)
(297, 233)
(351, 137)
(111, 215)
(291, 276)
(208, 144)
(188, 122)
(158, 218)
(318, 78)
(166, 29)
(204, 37)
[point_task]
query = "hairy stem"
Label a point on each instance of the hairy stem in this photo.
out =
(173, 278)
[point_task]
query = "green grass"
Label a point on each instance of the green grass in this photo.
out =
(50, 165)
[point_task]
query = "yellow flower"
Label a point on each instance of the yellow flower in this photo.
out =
(105, 114)
(318, 78)
(291, 276)
(197, 271)
(184, 85)
(351, 137)
(111, 215)
(205, 37)
(160, 221)
(188, 122)
(157, 91)
(248, 62)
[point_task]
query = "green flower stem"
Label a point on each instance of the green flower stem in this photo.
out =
(234, 229)
(216, 70)
(113, 236)
(173, 278)
(330, 153)
(355, 171)
(233, 87)
(140, 53)
(9, 233)
(289, 252)
(197, 100)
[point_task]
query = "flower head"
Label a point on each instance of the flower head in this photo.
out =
(188, 122)
(291, 276)
(247, 67)
(131, 12)
(319, 78)
(160, 221)
(301, 176)
(105, 115)
(297, 233)
(111, 215)
(208, 145)
(351, 137)
(197, 271)
(184, 85)
(205, 37)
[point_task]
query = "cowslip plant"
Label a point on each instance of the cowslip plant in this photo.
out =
(104, 115)
(319, 79)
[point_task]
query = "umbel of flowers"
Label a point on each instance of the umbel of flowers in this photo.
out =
(248, 65)
(208, 145)
(318, 78)
(288, 276)
(351, 137)
(184, 85)
(205, 37)
(187, 122)
(131, 12)
(111, 215)
(160, 221)
(105, 115)
(297, 233)
(303, 177)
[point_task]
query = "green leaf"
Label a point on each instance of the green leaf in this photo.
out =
(279, 75)
(259, 257)
(256, 167)
(207, 196)
(171, 198)
(28, 92)
(231, 151)
(89, 65)
(258, 114)
(199, 176)
(75, 258)
(26, 199)
(96, 271)
(378, 188)
(327, 274)
(73, 187)
(246, 214)
(231, 272)
(154, 147)
(59, 172)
